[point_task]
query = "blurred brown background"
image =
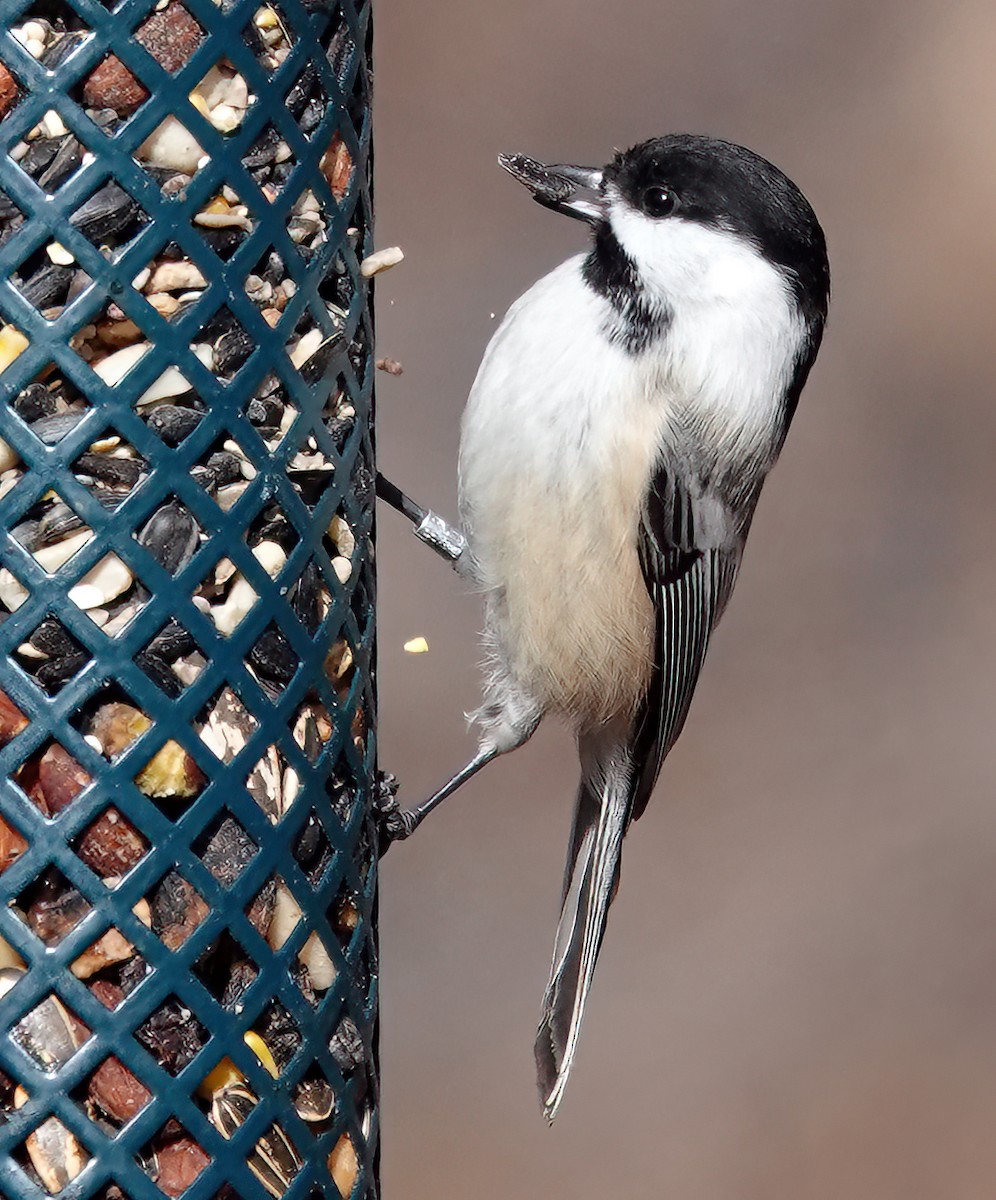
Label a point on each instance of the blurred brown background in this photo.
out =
(797, 996)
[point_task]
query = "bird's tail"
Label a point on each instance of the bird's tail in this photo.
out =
(601, 816)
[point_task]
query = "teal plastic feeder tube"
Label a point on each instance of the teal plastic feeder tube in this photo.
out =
(188, 964)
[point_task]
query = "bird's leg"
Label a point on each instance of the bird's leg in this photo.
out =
(445, 539)
(396, 823)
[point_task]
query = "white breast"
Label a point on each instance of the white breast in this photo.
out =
(558, 445)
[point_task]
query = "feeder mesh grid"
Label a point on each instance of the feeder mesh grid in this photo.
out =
(186, 601)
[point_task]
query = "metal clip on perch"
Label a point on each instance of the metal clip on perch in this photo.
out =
(447, 541)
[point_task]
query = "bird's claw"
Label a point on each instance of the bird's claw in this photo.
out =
(394, 823)
(397, 825)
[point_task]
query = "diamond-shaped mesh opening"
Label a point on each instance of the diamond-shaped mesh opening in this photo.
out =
(228, 726)
(110, 950)
(173, 423)
(50, 1155)
(319, 964)
(280, 1035)
(272, 660)
(173, 149)
(52, 531)
(314, 1099)
(12, 720)
(347, 1047)
(286, 915)
(171, 282)
(50, 154)
(115, 1093)
(52, 778)
(102, 584)
(346, 915)
(45, 278)
(271, 537)
(269, 35)
(171, 535)
(10, 91)
(223, 223)
(307, 99)
(172, 779)
(269, 285)
(110, 468)
(225, 848)
(343, 546)
(34, 402)
(176, 909)
(344, 1166)
(12, 844)
(225, 97)
(273, 786)
(308, 223)
(111, 845)
(310, 598)
(50, 1033)
(173, 1159)
(117, 331)
(11, 218)
(242, 974)
(171, 659)
(312, 349)
(50, 419)
(337, 167)
(340, 287)
(311, 469)
(270, 161)
(271, 412)
(313, 850)
(312, 726)
(111, 218)
(224, 472)
(340, 664)
(113, 725)
(273, 1160)
(173, 1035)
(260, 911)
(227, 970)
(52, 655)
(51, 907)
(110, 1191)
(233, 346)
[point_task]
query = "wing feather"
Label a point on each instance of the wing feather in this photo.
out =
(690, 550)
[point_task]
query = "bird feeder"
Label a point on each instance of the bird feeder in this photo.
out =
(187, 859)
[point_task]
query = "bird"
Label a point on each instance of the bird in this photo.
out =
(613, 448)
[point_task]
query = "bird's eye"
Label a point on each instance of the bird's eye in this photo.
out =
(659, 201)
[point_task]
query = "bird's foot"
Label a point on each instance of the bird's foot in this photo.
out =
(394, 823)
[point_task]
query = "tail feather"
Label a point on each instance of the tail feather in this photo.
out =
(600, 821)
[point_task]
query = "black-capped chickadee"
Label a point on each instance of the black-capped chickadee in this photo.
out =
(614, 445)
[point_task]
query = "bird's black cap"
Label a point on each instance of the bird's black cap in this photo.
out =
(726, 186)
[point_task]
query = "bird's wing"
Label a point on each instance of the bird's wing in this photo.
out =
(690, 547)
(690, 550)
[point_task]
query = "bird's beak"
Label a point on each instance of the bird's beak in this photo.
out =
(558, 186)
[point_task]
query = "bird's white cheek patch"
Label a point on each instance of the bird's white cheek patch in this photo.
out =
(735, 332)
(687, 261)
